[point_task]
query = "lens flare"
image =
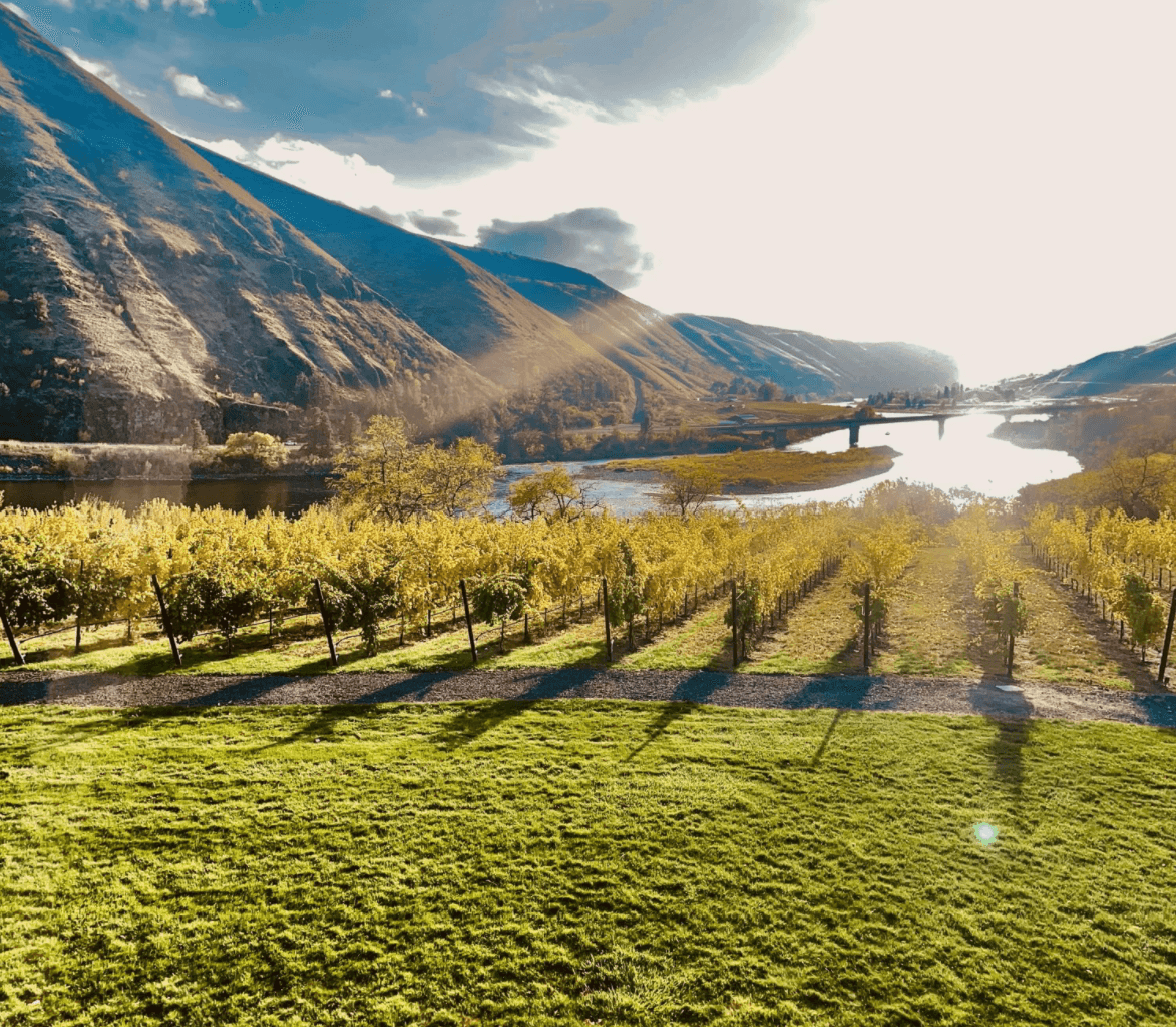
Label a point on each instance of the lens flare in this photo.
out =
(985, 833)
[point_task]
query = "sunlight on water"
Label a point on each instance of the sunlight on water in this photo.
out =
(985, 834)
(966, 457)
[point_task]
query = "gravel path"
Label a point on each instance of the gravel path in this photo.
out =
(894, 694)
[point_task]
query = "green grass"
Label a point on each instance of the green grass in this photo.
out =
(817, 637)
(702, 642)
(562, 863)
(933, 620)
(773, 470)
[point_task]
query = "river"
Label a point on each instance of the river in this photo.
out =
(966, 456)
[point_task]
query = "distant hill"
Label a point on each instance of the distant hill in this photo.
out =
(139, 288)
(1112, 371)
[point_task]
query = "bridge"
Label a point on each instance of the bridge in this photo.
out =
(854, 424)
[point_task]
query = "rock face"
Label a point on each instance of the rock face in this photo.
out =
(139, 287)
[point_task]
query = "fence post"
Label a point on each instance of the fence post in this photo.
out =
(78, 625)
(465, 605)
(165, 620)
(318, 591)
(12, 643)
(1013, 627)
(608, 650)
(866, 628)
(734, 624)
(1167, 638)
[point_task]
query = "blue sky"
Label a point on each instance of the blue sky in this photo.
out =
(991, 180)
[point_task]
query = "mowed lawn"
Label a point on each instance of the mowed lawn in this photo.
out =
(572, 862)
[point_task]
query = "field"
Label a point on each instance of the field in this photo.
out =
(934, 628)
(572, 862)
(773, 470)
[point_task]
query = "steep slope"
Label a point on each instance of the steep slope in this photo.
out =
(803, 362)
(692, 350)
(139, 287)
(1154, 364)
(630, 334)
(505, 336)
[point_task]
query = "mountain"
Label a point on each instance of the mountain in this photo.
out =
(695, 350)
(140, 288)
(803, 362)
(487, 306)
(503, 335)
(1154, 364)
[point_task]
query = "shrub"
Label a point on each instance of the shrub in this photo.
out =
(250, 450)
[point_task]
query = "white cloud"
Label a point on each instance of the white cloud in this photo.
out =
(103, 71)
(387, 94)
(192, 88)
(15, 10)
(193, 7)
(67, 4)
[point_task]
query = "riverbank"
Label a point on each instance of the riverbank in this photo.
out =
(760, 471)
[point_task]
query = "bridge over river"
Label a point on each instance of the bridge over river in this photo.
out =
(776, 429)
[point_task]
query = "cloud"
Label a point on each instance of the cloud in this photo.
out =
(456, 96)
(450, 213)
(433, 225)
(399, 220)
(103, 71)
(593, 239)
(192, 88)
(15, 10)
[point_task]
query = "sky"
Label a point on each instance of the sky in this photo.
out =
(990, 180)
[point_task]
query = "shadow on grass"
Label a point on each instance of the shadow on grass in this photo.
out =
(688, 695)
(1010, 712)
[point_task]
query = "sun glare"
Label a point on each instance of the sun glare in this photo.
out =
(986, 834)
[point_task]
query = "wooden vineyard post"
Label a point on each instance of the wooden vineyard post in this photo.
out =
(78, 625)
(866, 628)
(318, 591)
(1013, 627)
(165, 620)
(734, 624)
(1167, 638)
(12, 643)
(608, 650)
(465, 605)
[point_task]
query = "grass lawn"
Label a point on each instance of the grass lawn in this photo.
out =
(563, 863)
(769, 470)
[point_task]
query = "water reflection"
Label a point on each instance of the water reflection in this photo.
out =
(965, 457)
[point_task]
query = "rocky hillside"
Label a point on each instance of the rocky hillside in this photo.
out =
(1112, 372)
(803, 362)
(140, 288)
(478, 316)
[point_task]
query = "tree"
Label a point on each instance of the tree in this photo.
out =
(319, 434)
(256, 448)
(686, 487)
(552, 494)
(352, 428)
(388, 475)
(499, 598)
(199, 437)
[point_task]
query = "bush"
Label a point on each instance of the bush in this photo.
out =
(253, 450)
